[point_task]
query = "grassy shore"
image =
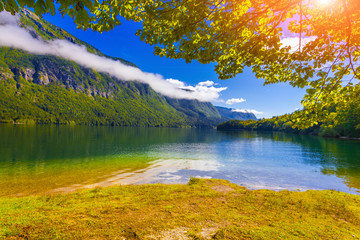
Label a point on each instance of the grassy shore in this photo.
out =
(203, 209)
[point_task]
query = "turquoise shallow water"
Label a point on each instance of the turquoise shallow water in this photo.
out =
(38, 159)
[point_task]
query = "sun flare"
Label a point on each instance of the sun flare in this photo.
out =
(325, 2)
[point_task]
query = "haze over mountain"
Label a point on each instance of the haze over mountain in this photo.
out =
(230, 113)
(49, 76)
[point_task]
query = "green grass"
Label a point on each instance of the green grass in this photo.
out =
(203, 209)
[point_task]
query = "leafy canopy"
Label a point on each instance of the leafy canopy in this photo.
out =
(235, 34)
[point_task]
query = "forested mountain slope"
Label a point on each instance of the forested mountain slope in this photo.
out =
(50, 89)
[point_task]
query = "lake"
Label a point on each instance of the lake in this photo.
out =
(54, 159)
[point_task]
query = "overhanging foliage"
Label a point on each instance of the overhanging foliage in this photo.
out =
(236, 34)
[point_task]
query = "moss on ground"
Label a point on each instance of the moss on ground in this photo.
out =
(203, 209)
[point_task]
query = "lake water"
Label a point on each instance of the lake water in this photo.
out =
(47, 159)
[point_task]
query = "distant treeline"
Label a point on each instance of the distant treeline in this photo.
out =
(344, 123)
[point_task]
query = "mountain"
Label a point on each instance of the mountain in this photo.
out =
(230, 114)
(49, 89)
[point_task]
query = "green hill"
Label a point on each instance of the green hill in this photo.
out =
(49, 89)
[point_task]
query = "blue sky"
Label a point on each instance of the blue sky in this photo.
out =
(271, 100)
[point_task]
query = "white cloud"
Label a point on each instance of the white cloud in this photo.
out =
(7, 18)
(204, 91)
(176, 82)
(293, 42)
(247, 111)
(235, 100)
(206, 83)
(219, 101)
(11, 35)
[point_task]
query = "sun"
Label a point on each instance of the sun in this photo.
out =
(325, 2)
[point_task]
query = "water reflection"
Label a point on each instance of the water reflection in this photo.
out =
(339, 157)
(37, 159)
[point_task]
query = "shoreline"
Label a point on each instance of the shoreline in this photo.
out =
(166, 172)
(292, 133)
